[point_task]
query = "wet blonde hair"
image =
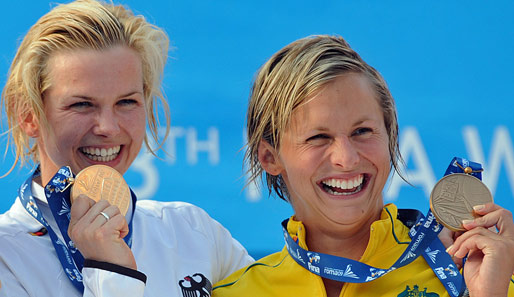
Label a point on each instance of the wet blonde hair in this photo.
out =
(288, 79)
(82, 24)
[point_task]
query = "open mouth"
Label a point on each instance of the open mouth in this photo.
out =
(337, 186)
(101, 154)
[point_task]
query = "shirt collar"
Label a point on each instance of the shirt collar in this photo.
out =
(381, 232)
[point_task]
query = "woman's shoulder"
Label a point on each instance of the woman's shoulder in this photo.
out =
(159, 208)
(264, 268)
(176, 214)
(275, 275)
(170, 210)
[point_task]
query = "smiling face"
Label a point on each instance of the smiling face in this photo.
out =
(334, 156)
(95, 109)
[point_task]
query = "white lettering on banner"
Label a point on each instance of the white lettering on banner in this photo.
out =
(193, 146)
(144, 166)
(501, 149)
(211, 145)
(412, 147)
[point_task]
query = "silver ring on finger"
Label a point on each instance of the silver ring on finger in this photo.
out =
(106, 216)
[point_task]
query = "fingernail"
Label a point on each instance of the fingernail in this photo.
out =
(449, 248)
(465, 222)
(478, 207)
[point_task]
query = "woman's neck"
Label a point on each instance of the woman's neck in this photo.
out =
(349, 245)
(343, 240)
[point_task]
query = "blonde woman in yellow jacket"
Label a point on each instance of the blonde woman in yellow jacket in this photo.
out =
(322, 127)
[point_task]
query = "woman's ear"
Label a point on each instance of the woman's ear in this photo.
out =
(268, 157)
(29, 124)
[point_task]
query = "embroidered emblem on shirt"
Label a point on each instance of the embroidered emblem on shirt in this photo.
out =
(195, 286)
(415, 292)
(41, 232)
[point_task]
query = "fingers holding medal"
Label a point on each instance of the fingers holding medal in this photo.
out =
(489, 265)
(462, 203)
(97, 237)
(100, 200)
(492, 217)
(492, 231)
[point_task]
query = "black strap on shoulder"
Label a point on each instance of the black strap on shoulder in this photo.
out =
(409, 217)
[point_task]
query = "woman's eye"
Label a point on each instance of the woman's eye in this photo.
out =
(81, 104)
(318, 139)
(361, 131)
(127, 102)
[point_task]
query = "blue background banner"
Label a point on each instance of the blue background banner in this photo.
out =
(448, 65)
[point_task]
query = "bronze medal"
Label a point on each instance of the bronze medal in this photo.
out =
(102, 182)
(453, 198)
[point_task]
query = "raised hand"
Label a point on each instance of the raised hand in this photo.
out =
(98, 229)
(489, 244)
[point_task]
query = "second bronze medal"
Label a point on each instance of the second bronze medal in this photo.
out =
(453, 198)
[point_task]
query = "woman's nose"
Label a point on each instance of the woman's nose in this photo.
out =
(344, 154)
(107, 123)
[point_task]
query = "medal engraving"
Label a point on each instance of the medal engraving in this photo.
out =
(102, 182)
(453, 198)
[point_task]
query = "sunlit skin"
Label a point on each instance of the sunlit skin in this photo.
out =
(338, 135)
(95, 101)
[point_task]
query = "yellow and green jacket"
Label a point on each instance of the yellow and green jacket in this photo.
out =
(279, 275)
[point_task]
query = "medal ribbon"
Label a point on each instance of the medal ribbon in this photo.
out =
(57, 192)
(424, 242)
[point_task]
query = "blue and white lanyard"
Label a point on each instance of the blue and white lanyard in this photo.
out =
(57, 193)
(424, 242)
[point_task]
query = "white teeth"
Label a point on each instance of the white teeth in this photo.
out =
(101, 155)
(345, 184)
(343, 193)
